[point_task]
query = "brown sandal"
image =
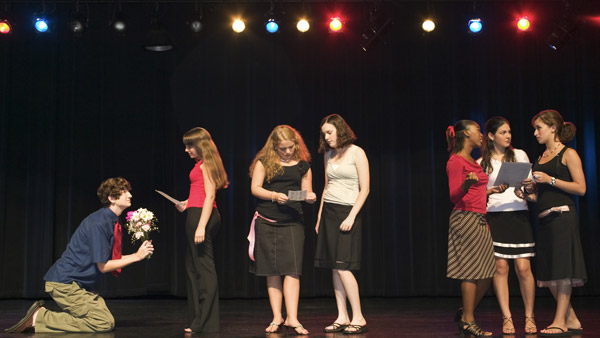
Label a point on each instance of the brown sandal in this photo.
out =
(530, 329)
(508, 331)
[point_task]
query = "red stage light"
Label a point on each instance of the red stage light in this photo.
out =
(335, 24)
(4, 27)
(523, 23)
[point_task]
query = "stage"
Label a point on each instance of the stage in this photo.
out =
(386, 317)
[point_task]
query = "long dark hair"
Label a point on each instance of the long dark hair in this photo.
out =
(455, 135)
(491, 126)
(565, 131)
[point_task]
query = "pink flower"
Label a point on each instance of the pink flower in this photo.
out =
(129, 214)
(146, 227)
(138, 235)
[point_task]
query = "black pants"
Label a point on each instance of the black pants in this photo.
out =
(202, 285)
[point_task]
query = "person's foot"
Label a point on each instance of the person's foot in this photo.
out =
(28, 321)
(297, 328)
(530, 327)
(554, 330)
(508, 328)
(335, 327)
(187, 330)
(273, 327)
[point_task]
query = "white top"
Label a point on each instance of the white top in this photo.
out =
(506, 201)
(342, 179)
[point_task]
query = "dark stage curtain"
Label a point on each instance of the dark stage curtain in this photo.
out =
(75, 111)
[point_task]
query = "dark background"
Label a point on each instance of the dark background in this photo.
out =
(75, 111)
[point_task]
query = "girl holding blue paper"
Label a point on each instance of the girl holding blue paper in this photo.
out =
(508, 218)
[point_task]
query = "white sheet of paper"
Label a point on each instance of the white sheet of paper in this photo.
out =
(297, 195)
(168, 197)
(513, 173)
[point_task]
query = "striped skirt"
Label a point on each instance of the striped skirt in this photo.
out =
(470, 247)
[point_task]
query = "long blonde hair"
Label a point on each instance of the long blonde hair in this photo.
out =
(268, 154)
(200, 140)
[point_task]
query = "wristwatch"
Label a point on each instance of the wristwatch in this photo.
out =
(553, 181)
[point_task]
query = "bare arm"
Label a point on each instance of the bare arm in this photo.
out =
(311, 197)
(324, 189)
(362, 167)
(144, 250)
(573, 162)
(210, 191)
(256, 186)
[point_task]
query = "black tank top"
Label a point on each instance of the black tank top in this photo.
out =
(549, 196)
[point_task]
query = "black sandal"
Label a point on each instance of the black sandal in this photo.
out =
(355, 329)
(472, 329)
(335, 327)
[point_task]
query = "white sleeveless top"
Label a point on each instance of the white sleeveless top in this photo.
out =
(342, 179)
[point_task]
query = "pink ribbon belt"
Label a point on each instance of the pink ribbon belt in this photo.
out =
(561, 209)
(251, 235)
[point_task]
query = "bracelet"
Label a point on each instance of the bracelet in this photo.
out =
(552, 181)
(272, 199)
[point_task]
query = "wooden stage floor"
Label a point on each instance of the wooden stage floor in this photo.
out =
(386, 317)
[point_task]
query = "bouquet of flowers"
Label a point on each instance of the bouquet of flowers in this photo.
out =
(140, 223)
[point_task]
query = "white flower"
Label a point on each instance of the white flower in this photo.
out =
(139, 235)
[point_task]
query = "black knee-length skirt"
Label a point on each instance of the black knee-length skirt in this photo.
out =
(338, 249)
(278, 248)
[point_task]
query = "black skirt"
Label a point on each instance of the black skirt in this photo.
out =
(560, 255)
(278, 248)
(338, 249)
(512, 234)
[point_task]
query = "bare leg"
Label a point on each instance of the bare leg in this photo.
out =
(564, 311)
(527, 286)
(472, 293)
(501, 288)
(291, 294)
(274, 288)
(340, 299)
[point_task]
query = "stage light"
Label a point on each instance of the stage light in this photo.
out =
(563, 32)
(5, 27)
(475, 25)
(379, 24)
(272, 26)
(335, 24)
(118, 23)
(195, 22)
(238, 25)
(428, 25)
(303, 25)
(78, 22)
(40, 24)
(157, 39)
(523, 24)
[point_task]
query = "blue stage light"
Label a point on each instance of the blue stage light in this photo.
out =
(475, 25)
(272, 26)
(41, 25)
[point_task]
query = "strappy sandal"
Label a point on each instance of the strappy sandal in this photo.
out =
(355, 329)
(335, 327)
(472, 329)
(276, 325)
(530, 329)
(508, 331)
